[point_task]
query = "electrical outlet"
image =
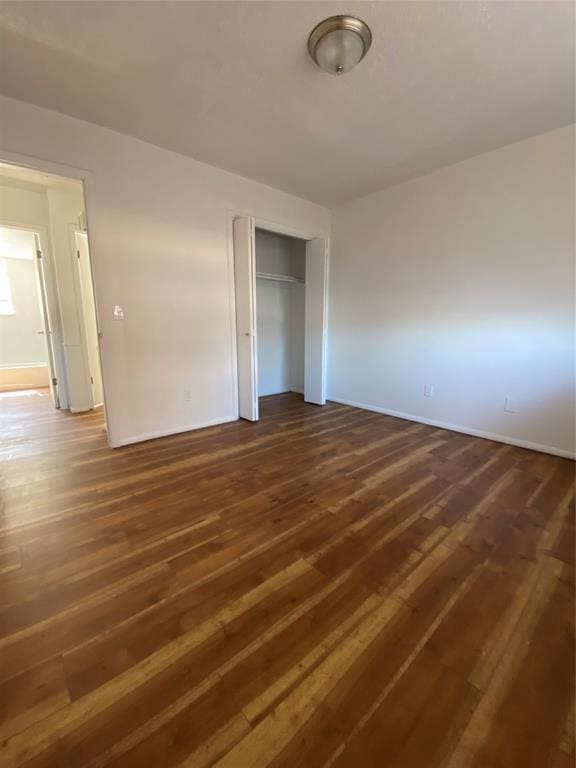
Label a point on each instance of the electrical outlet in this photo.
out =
(510, 405)
(428, 390)
(187, 395)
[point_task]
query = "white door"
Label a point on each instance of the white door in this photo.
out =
(245, 289)
(89, 317)
(315, 338)
(46, 317)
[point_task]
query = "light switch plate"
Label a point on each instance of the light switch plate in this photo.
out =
(117, 312)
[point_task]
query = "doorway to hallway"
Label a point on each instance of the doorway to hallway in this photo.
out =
(49, 339)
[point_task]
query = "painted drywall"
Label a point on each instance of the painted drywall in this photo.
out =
(22, 204)
(273, 315)
(280, 255)
(159, 226)
(463, 280)
(21, 333)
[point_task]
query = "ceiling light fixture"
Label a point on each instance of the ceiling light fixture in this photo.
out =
(338, 43)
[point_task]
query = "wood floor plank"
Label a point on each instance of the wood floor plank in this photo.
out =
(521, 732)
(326, 587)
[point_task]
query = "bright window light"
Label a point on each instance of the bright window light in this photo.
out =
(6, 306)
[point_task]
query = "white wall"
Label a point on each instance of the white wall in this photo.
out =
(160, 236)
(280, 255)
(273, 316)
(20, 204)
(464, 280)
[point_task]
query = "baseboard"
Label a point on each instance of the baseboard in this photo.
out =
(284, 392)
(168, 432)
(22, 377)
(84, 410)
(457, 428)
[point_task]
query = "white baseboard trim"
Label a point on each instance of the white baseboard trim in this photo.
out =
(457, 428)
(166, 433)
(83, 410)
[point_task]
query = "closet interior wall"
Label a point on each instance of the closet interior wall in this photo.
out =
(280, 312)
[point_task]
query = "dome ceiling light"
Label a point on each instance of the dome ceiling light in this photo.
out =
(338, 43)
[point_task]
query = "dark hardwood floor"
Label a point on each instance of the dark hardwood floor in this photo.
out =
(328, 587)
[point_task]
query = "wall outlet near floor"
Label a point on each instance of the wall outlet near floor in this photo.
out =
(428, 390)
(510, 405)
(187, 395)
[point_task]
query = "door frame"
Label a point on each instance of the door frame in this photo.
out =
(279, 229)
(51, 319)
(246, 334)
(86, 178)
(74, 231)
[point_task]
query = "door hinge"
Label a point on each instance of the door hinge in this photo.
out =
(78, 254)
(92, 379)
(54, 381)
(38, 254)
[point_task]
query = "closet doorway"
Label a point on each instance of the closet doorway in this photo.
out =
(280, 288)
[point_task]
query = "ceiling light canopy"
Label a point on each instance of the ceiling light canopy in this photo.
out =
(338, 43)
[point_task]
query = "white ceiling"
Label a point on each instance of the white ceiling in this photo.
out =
(231, 84)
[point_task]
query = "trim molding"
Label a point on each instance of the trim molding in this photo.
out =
(457, 428)
(166, 433)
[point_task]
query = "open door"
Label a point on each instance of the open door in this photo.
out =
(245, 290)
(92, 343)
(46, 316)
(315, 338)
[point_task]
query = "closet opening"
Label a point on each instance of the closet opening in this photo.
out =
(280, 289)
(280, 313)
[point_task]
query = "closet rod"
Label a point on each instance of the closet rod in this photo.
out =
(281, 278)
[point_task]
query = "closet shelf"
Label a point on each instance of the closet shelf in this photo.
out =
(280, 278)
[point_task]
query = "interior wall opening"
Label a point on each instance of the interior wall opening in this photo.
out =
(280, 286)
(280, 312)
(49, 339)
(25, 362)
